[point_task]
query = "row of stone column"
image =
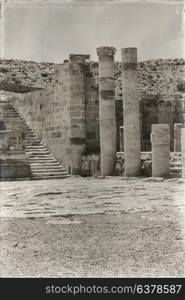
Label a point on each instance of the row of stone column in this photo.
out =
(107, 110)
(177, 137)
(160, 136)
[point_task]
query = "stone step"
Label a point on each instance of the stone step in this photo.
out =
(38, 153)
(42, 162)
(32, 140)
(176, 167)
(173, 175)
(49, 172)
(50, 177)
(41, 158)
(36, 147)
(45, 160)
(33, 143)
(44, 151)
(176, 164)
(45, 164)
(175, 170)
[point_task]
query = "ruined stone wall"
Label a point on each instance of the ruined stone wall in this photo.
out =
(155, 109)
(47, 114)
(63, 117)
(56, 119)
(160, 109)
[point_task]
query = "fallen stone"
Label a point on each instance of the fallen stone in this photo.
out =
(129, 178)
(181, 180)
(100, 177)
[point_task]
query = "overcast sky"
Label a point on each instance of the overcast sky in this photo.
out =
(51, 32)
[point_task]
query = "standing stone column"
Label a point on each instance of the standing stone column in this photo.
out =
(77, 110)
(177, 137)
(183, 151)
(71, 105)
(131, 115)
(107, 110)
(160, 139)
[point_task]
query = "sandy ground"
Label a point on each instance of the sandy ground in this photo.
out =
(85, 227)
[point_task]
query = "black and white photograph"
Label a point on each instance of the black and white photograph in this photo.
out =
(92, 140)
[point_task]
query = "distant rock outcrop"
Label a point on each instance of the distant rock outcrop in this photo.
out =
(163, 76)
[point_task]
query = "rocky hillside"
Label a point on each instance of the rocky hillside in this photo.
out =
(25, 75)
(155, 76)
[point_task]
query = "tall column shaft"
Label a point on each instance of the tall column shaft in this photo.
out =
(160, 139)
(177, 137)
(183, 151)
(131, 117)
(107, 110)
(71, 89)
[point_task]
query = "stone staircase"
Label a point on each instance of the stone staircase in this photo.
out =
(43, 164)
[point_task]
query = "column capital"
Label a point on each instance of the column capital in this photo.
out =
(107, 51)
(78, 57)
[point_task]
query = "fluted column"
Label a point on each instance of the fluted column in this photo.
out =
(131, 117)
(107, 111)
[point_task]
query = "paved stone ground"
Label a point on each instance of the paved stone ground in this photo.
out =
(85, 227)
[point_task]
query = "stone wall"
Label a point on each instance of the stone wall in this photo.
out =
(14, 165)
(160, 109)
(64, 117)
(155, 109)
(61, 102)
(47, 117)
